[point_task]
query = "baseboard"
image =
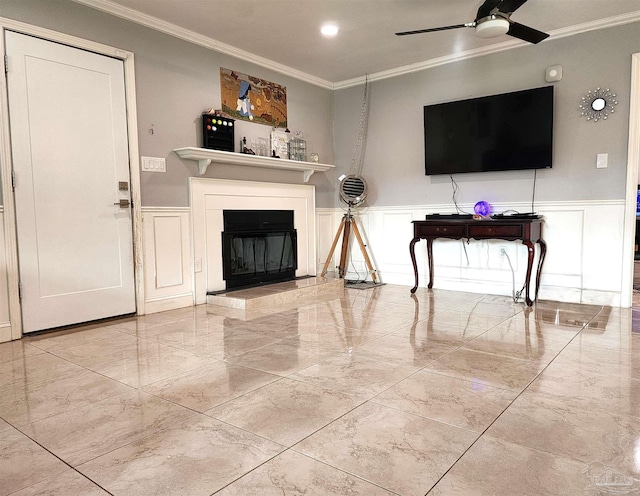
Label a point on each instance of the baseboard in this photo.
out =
(566, 294)
(168, 303)
(5, 332)
(586, 296)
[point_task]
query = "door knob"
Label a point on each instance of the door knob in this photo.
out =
(124, 203)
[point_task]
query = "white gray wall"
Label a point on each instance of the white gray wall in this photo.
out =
(583, 205)
(394, 164)
(175, 82)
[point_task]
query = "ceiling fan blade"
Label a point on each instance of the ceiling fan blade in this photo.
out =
(429, 30)
(510, 6)
(526, 33)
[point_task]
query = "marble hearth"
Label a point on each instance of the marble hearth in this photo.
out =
(279, 296)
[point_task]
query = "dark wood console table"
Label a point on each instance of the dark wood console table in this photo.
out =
(529, 231)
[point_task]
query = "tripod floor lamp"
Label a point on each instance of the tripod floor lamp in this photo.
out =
(353, 190)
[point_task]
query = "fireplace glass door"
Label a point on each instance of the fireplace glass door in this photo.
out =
(258, 247)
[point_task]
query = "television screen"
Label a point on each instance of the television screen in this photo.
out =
(510, 131)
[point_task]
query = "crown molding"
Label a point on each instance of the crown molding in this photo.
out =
(198, 39)
(212, 44)
(494, 48)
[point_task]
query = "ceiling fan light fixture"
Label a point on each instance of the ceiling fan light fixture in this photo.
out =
(492, 26)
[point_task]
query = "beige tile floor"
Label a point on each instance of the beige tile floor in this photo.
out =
(373, 393)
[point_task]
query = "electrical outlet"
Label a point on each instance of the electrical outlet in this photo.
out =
(503, 251)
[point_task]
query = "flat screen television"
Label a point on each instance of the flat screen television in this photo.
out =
(510, 131)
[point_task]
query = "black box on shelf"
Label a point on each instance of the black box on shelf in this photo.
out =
(217, 132)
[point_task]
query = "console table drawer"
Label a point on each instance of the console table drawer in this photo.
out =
(441, 231)
(485, 231)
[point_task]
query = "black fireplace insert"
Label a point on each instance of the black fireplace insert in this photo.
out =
(258, 247)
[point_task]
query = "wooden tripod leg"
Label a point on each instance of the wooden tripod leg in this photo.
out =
(364, 251)
(342, 268)
(333, 247)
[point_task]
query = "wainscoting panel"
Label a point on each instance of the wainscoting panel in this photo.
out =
(168, 241)
(356, 266)
(583, 263)
(390, 231)
(327, 227)
(602, 248)
(564, 228)
(167, 259)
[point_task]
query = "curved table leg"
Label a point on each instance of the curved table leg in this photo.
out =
(531, 252)
(543, 253)
(412, 252)
(430, 258)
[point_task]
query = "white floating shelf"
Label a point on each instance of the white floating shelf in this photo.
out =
(205, 157)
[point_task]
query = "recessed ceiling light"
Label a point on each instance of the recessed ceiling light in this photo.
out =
(329, 30)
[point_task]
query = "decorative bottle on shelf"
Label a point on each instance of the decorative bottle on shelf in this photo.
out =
(244, 148)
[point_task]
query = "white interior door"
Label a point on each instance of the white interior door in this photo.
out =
(69, 142)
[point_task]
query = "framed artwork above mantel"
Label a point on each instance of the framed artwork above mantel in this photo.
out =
(253, 99)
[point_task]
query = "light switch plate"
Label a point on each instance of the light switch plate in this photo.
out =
(602, 160)
(154, 164)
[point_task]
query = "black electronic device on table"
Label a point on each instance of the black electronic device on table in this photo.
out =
(218, 132)
(448, 216)
(516, 216)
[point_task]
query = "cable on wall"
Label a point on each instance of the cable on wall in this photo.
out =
(533, 196)
(456, 189)
(515, 295)
(361, 143)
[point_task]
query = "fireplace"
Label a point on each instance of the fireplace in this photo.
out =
(211, 197)
(258, 247)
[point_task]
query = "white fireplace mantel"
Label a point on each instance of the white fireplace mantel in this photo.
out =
(211, 197)
(205, 157)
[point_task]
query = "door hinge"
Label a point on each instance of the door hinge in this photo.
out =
(20, 290)
(6, 64)
(13, 179)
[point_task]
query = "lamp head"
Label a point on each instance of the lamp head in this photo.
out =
(353, 190)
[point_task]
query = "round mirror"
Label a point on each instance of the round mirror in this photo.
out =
(598, 104)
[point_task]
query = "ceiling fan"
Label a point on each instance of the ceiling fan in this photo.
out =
(494, 19)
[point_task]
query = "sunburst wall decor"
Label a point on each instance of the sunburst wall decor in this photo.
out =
(598, 104)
